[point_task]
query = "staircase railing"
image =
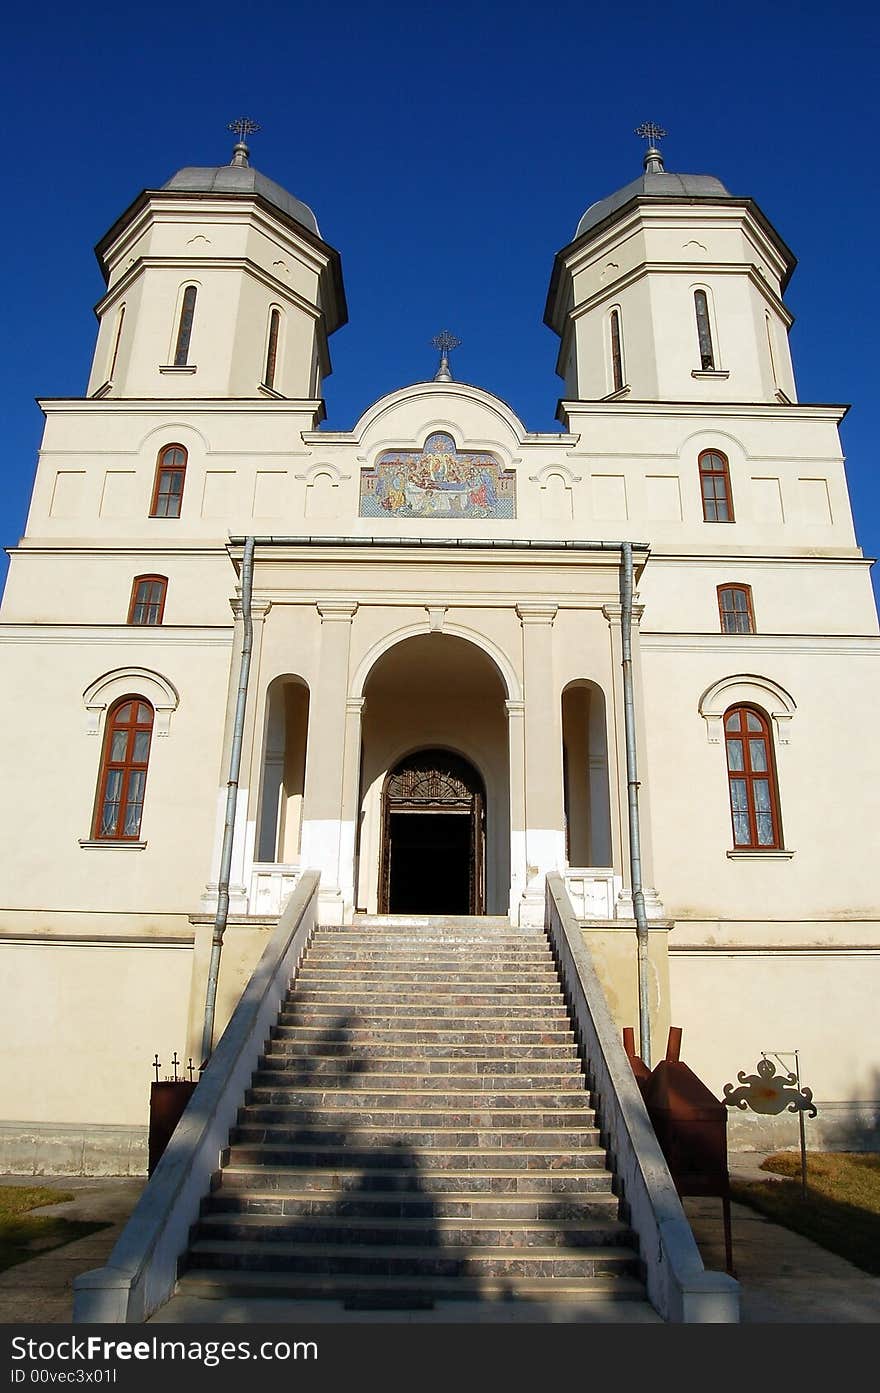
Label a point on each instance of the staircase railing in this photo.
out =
(679, 1287)
(141, 1272)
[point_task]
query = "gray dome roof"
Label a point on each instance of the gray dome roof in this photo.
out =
(653, 186)
(231, 178)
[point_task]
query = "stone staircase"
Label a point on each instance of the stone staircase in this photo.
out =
(419, 1129)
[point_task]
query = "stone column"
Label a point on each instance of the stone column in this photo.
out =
(517, 778)
(545, 827)
(322, 804)
(351, 787)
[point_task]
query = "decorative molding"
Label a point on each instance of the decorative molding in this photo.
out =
(745, 689)
(533, 612)
(135, 681)
(759, 854)
(613, 613)
(183, 369)
(436, 617)
(89, 843)
(336, 611)
(722, 373)
(333, 470)
(548, 470)
(515, 709)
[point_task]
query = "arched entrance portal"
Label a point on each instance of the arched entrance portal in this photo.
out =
(433, 836)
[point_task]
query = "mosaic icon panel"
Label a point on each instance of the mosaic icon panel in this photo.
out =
(439, 482)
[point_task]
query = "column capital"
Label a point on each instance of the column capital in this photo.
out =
(259, 608)
(613, 613)
(536, 613)
(354, 705)
(514, 708)
(339, 610)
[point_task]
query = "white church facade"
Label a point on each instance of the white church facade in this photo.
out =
(434, 708)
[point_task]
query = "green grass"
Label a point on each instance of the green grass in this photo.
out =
(24, 1234)
(842, 1208)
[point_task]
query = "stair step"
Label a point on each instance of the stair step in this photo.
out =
(391, 1205)
(277, 1180)
(431, 1232)
(282, 1102)
(399, 1035)
(428, 1137)
(266, 1079)
(519, 1073)
(553, 1157)
(402, 1292)
(400, 1260)
(437, 1052)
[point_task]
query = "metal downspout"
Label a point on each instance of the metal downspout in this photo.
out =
(247, 571)
(632, 785)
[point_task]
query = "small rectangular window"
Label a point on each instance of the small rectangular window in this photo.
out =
(147, 605)
(704, 331)
(185, 327)
(735, 608)
(616, 354)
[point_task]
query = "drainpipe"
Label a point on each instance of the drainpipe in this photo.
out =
(247, 571)
(632, 785)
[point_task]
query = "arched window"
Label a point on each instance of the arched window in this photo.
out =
(147, 604)
(123, 777)
(735, 608)
(185, 327)
(754, 802)
(272, 348)
(168, 488)
(616, 351)
(704, 331)
(715, 486)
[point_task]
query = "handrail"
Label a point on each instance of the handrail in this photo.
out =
(679, 1287)
(141, 1271)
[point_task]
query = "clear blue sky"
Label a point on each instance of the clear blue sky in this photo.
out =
(448, 151)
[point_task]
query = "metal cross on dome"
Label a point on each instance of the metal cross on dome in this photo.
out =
(650, 132)
(243, 126)
(444, 342)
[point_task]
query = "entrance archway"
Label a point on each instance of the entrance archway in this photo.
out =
(433, 836)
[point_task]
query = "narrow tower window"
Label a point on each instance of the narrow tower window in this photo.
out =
(147, 605)
(704, 331)
(754, 804)
(735, 608)
(168, 488)
(715, 486)
(119, 323)
(616, 355)
(184, 328)
(123, 777)
(272, 348)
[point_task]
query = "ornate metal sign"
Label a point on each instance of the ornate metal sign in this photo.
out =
(768, 1092)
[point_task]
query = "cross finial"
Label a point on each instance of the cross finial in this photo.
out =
(444, 342)
(242, 126)
(651, 132)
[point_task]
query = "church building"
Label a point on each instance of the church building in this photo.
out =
(437, 656)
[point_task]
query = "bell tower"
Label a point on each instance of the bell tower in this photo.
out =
(671, 290)
(219, 285)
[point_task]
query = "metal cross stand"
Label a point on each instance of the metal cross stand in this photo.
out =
(769, 1093)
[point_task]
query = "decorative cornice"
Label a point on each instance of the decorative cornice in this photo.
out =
(533, 612)
(336, 611)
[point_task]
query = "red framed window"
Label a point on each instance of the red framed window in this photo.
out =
(735, 609)
(754, 800)
(168, 487)
(123, 777)
(147, 604)
(715, 487)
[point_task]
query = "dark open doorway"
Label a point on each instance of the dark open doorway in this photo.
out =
(433, 837)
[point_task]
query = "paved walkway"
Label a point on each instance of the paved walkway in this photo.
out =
(784, 1278)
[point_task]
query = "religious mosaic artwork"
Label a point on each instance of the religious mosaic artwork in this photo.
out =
(437, 482)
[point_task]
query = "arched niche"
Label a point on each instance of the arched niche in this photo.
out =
(585, 775)
(279, 823)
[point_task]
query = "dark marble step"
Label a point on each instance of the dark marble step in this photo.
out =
(406, 1182)
(370, 1232)
(544, 1156)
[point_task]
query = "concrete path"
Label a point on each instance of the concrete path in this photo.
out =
(785, 1278)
